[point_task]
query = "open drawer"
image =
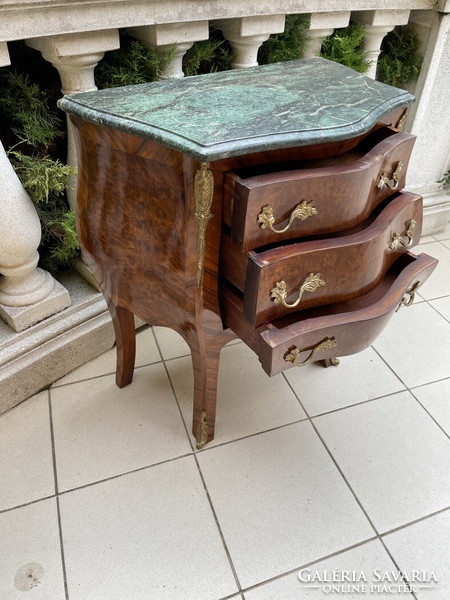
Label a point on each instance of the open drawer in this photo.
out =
(335, 330)
(298, 276)
(271, 203)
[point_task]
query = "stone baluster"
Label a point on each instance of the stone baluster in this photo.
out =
(429, 117)
(75, 56)
(378, 23)
(321, 26)
(246, 34)
(27, 294)
(174, 39)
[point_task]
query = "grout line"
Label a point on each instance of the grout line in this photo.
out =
(238, 583)
(411, 391)
(58, 511)
(92, 483)
(435, 309)
(335, 410)
(419, 520)
(25, 504)
(190, 440)
(310, 564)
(416, 387)
(56, 386)
(404, 577)
(334, 461)
(430, 415)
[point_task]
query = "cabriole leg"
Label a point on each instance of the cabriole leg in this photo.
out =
(123, 322)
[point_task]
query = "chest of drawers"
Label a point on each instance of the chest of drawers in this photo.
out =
(264, 203)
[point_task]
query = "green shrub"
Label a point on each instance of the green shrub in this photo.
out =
(445, 179)
(24, 110)
(46, 180)
(133, 63)
(288, 45)
(345, 46)
(399, 62)
(208, 56)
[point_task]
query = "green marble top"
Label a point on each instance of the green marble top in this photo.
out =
(224, 114)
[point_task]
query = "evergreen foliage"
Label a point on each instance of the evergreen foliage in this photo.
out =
(446, 179)
(46, 180)
(208, 56)
(288, 45)
(24, 107)
(345, 47)
(133, 63)
(400, 61)
(29, 120)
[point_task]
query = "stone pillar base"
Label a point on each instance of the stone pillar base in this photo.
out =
(436, 212)
(21, 317)
(81, 267)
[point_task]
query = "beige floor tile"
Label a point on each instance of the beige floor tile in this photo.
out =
(365, 559)
(424, 546)
(248, 400)
(394, 456)
(26, 462)
(280, 502)
(358, 378)
(442, 305)
(147, 535)
(438, 283)
(444, 235)
(30, 565)
(171, 343)
(427, 239)
(436, 399)
(101, 431)
(146, 353)
(416, 345)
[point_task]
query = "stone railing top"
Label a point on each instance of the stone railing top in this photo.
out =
(236, 112)
(25, 19)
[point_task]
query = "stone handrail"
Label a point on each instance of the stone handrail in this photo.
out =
(74, 35)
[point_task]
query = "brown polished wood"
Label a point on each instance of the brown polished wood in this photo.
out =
(354, 324)
(348, 265)
(343, 190)
(138, 229)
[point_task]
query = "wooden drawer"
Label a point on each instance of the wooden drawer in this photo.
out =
(312, 273)
(329, 194)
(335, 330)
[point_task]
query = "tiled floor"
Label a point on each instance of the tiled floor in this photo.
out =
(102, 496)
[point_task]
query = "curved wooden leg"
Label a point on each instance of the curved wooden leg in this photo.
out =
(123, 321)
(205, 350)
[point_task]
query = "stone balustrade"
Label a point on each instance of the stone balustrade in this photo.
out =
(74, 35)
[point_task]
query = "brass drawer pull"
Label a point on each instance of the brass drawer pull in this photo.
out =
(279, 292)
(385, 180)
(398, 239)
(302, 211)
(412, 296)
(293, 354)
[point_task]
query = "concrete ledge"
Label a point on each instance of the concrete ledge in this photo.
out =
(436, 210)
(38, 356)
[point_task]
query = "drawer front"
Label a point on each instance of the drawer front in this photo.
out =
(338, 330)
(299, 276)
(331, 195)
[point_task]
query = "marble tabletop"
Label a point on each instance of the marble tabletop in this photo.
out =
(231, 113)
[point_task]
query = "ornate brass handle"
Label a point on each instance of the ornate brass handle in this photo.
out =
(398, 239)
(292, 355)
(302, 211)
(279, 292)
(385, 179)
(412, 296)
